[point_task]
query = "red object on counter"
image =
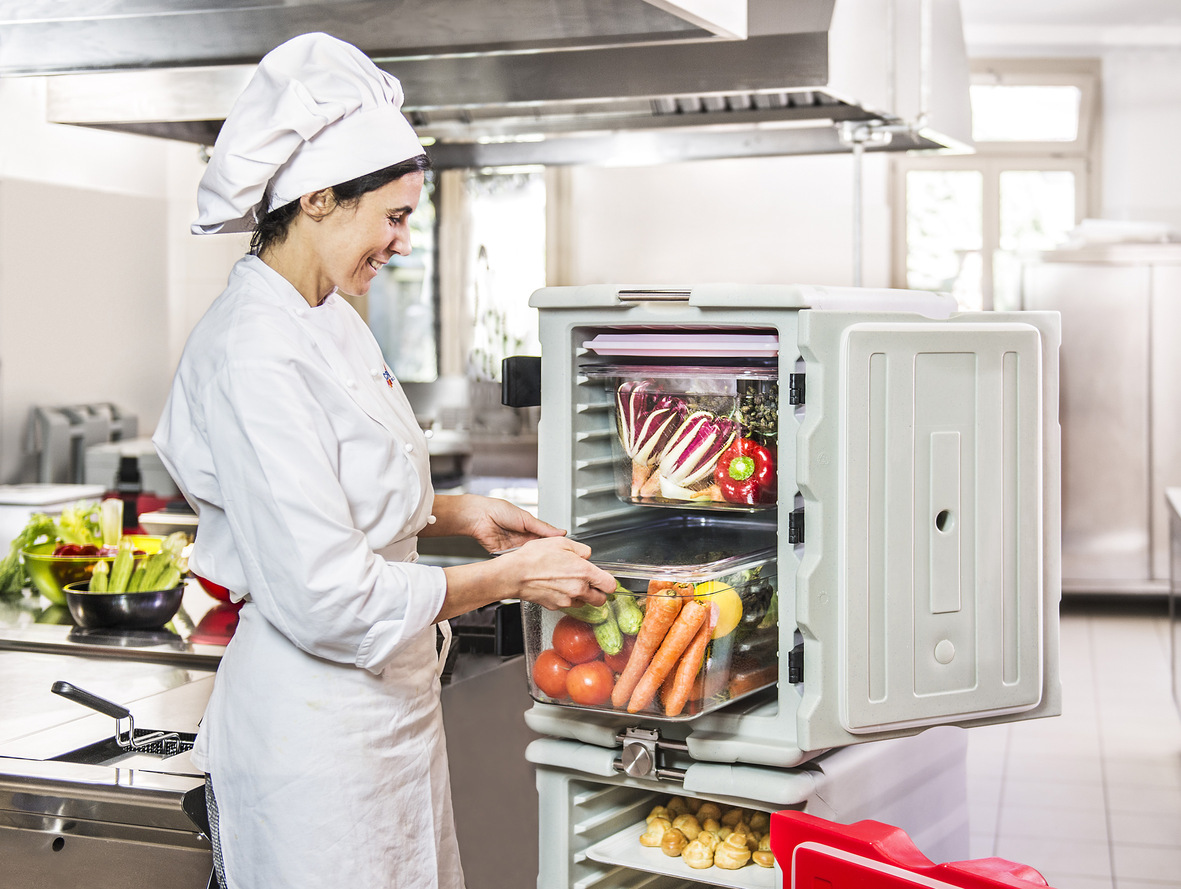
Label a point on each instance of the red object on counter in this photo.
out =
(870, 855)
(217, 626)
(216, 590)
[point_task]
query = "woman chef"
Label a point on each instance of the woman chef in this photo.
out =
(323, 740)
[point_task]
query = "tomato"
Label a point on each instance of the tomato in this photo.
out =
(575, 641)
(590, 684)
(549, 673)
(618, 662)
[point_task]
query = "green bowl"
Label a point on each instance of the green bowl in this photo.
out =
(50, 574)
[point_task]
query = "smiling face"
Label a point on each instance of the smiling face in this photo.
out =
(343, 246)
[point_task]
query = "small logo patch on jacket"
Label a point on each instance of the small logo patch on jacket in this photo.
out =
(389, 380)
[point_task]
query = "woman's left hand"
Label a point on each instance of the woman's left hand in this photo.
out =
(495, 524)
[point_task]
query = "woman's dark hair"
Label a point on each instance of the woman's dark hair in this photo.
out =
(272, 227)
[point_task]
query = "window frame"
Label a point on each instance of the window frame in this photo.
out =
(1079, 157)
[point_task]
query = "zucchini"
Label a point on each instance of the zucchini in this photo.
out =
(608, 636)
(121, 568)
(137, 578)
(590, 614)
(99, 577)
(627, 612)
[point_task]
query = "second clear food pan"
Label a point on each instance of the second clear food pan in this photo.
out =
(693, 624)
(699, 436)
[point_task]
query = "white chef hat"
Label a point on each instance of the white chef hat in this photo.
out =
(317, 112)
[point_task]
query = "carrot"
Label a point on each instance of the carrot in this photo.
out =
(680, 587)
(688, 667)
(692, 615)
(659, 615)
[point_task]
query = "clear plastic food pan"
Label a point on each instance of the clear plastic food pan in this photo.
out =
(693, 624)
(698, 436)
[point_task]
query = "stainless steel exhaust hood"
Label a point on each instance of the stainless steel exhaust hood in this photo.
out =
(541, 81)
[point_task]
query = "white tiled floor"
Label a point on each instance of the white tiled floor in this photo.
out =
(1091, 799)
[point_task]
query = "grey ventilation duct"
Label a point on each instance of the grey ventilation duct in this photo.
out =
(540, 81)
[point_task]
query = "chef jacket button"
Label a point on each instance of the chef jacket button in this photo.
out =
(375, 371)
(408, 447)
(430, 520)
(352, 384)
(301, 312)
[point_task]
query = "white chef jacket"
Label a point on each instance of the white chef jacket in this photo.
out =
(287, 433)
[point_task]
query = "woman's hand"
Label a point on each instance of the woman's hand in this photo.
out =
(496, 525)
(552, 571)
(555, 572)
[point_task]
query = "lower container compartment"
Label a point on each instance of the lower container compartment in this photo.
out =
(590, 824)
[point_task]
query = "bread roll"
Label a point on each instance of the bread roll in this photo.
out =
(659, 812)
(763, 856)
(677, 806)
(698, 854)
(673, 842)
(760, 822)
(732, 853)
(657, 827)
(732, 817)
(709, 810)
(687, 824)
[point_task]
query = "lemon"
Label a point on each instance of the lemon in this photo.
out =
(725, 604)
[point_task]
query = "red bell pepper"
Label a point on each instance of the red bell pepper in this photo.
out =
(746, 473)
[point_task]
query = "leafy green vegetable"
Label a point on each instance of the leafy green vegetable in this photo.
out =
(79, 523)
(12, 569)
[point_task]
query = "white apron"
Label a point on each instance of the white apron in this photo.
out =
(323, 736)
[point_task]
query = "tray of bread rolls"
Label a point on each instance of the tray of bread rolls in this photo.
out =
(697, 840)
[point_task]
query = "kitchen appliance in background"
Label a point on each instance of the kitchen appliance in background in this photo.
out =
(913, 552)
(60, 436)
(132, 471)
(1121, 363)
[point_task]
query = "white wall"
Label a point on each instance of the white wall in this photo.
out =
(755, 220)
(99, 281)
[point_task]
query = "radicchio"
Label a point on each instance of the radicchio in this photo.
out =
(647, 417)
(693, 450)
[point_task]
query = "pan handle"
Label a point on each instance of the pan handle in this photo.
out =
(94, 702)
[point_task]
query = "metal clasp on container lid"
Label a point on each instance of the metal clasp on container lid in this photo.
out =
(641, 756)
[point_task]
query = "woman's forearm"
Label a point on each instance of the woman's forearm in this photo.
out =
(455, 516)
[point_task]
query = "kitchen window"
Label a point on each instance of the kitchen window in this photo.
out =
(964, 222)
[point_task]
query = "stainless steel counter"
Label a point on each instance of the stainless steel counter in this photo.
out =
(68, 824)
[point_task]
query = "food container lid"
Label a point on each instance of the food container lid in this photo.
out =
(682, 546)
(720, 345)
(691, 372)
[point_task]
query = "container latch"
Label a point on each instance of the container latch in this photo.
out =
(795, 526)
(642, 754)
(795, 664)
(796, 389)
